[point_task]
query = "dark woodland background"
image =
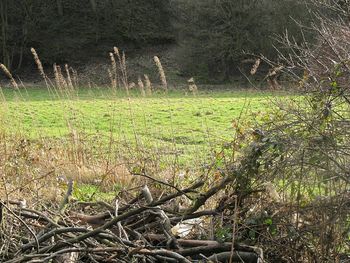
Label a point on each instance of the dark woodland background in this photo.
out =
(211, 36)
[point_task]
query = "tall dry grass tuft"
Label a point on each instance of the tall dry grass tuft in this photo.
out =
(69, 79)
(112, 80)
(141, 86)
(124, 61)
(9, 75)
(61, 83)
(148, 85)
(62, 79)
(56, 75)
(78, 147)
(123, 68)
(75, 77)
(161, 73)
(39, 64)
(113, 75)
(48, 82)
(116, 51)
(62, 87)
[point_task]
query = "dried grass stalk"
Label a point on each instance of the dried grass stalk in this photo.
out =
(114, 72)
(124, 71)
(62, 78)
(112, 79)
(9, 75)
(75, 77)
(69, 79)
(116, 51)
(148, 85)
(57, 76)
(161, 73)
(48, 82)
(123, 68)
(141, 86)
(38, 63)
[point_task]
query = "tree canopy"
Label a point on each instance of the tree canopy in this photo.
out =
(213, 36)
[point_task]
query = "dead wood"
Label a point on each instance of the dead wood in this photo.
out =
(140, 230)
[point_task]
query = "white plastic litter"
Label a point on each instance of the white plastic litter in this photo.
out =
(185, 227)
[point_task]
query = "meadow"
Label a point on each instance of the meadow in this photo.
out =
(190, 125)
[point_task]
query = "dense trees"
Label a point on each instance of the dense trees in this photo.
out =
(212, 34)
(216, 33)
(62, 29)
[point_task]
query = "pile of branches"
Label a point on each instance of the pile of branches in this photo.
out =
(138, 230)
(148, 226)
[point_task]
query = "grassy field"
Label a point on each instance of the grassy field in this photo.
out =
(183, 122)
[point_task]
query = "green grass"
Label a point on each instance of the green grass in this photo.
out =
(88, 192)
(183, 122)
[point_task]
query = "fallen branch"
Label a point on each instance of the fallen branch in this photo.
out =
(141, 229)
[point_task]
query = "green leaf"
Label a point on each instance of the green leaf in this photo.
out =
(268, 221)
(334, 84)
(273, 230)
